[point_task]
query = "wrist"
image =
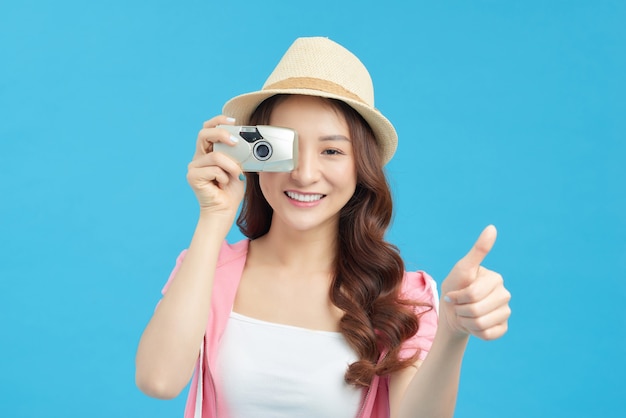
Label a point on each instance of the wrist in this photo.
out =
(450, 336)
(215, 223)
(446, 328)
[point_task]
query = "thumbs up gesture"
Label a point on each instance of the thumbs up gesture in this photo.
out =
(475, 301)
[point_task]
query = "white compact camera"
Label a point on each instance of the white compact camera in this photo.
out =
(262, 147)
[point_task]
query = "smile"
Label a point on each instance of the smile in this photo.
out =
(304, 197)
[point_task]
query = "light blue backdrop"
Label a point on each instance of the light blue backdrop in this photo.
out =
(510, 113)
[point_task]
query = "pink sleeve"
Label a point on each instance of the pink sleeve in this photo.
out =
(179, 261)
(420, 287)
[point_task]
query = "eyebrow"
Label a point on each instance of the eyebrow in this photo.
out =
(334, 138)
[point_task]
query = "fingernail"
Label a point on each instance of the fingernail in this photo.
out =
(229, 119)
(234, 139)
(447, 299)
(242, 177)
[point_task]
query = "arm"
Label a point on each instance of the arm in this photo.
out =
(429, 388)
(475, 303)
(169, 346)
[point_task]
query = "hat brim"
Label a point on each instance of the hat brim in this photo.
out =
(242, 106)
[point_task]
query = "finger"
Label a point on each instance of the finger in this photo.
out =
(479, 325)
(217, 159)
(479, 251)
(209, 136)
(218, 120)
(199, 176)
(497, 298)
(478, 289)
(492, 333)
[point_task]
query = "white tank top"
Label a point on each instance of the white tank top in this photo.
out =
(273, 370)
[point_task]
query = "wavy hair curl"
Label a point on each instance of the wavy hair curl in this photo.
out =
(368, 270)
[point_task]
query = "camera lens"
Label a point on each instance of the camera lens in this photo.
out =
(262, 151)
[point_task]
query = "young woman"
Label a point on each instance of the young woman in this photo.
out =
(313, 315)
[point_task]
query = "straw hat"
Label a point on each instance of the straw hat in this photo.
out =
(320, 67)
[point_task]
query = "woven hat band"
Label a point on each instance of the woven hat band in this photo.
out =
(313, 84)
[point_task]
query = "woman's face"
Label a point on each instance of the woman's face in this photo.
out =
(311, 196)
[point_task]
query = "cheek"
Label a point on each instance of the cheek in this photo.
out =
(263, 184)
(344, 182)
(346, 175)
(268, 183)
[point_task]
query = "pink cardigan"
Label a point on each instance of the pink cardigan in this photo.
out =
(417, 286)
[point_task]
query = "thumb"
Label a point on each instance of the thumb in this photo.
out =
(479, 251)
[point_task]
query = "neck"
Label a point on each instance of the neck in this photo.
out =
(312, 251)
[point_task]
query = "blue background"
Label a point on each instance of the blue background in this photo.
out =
(510, 113)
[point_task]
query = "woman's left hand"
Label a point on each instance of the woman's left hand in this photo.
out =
(475, 301)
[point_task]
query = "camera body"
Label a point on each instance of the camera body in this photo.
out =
(262, 147)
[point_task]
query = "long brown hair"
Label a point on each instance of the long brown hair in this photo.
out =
(368, 270)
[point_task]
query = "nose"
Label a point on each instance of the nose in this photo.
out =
(307, 169)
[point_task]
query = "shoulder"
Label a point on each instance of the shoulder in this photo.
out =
(419, 286)
(229, 253)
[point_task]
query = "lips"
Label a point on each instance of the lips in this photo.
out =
(305, 198)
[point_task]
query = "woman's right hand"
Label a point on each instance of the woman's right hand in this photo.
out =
(168, 348)
(215, 177)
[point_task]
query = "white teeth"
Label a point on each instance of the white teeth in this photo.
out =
(304, 197)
